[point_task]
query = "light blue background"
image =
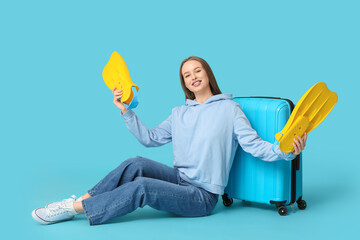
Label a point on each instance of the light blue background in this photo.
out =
(61, 133)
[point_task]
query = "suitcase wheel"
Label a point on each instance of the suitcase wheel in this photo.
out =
(282, 210)
(226, 200)
(301, 204)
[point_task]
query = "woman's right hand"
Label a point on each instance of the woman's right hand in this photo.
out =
(118, 104)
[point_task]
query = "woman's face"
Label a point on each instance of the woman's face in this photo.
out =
(195, 77)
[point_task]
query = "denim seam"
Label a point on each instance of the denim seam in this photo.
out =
(111, 207)
(128, 199)
(87, 213)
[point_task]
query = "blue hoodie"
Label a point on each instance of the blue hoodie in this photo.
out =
(205, 138)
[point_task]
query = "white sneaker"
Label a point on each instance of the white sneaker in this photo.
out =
(54, 204)
(61, 212)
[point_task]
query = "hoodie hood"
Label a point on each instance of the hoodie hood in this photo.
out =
(217, 97)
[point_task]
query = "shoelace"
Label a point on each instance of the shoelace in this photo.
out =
(57, 210)
(73, 197)
(61, 207)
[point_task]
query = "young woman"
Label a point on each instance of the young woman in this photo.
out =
(205, 132)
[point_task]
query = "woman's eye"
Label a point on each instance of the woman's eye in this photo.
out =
(199, 71)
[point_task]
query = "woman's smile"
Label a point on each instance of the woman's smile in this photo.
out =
(196, 83)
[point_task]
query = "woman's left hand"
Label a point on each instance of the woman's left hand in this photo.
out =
(299, 144)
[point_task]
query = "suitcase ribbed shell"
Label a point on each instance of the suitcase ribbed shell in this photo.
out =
(252, 179)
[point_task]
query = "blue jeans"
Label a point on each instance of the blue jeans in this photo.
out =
(138, 182)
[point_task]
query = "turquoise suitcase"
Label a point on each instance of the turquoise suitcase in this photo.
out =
(276, 183)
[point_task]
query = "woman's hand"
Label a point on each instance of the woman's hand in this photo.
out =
(118, 104)
(299, 145)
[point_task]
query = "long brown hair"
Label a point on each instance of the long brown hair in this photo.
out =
(212, 81)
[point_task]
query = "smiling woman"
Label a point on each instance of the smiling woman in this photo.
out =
(205, 133)
(195, 69)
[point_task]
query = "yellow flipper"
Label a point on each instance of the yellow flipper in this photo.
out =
(116, 74)
(308, 113)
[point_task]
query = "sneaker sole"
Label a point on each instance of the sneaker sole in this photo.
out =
(42, 221)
